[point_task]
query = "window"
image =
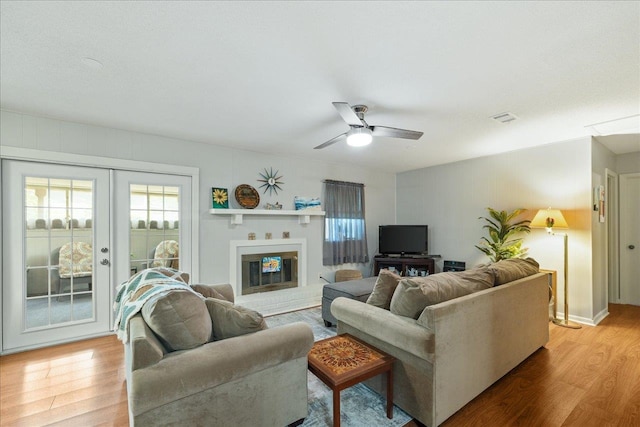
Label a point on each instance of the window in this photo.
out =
(345, 235)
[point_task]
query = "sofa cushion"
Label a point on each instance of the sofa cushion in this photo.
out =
(413, 295)
(383, 289)
(508, 270)
(230, 320)
(179, 318)
(208, 292)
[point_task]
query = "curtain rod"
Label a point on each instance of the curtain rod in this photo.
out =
(332, 181)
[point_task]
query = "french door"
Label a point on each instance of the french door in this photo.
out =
(56, 253)
(59, 269)
(152, 224)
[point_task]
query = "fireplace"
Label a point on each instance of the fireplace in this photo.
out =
(251, 280)
(269, 271)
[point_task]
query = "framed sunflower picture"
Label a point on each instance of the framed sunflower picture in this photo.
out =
(220, 198)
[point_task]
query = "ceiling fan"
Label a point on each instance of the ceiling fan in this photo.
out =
(361, 133)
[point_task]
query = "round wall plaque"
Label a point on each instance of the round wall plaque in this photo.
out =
(247, 196)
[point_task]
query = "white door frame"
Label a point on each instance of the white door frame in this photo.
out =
(26, 154)
(612, 266)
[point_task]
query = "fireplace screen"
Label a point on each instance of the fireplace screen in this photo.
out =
(269, 272)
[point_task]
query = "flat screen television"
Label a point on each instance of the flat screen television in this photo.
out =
(271, 264)
(403, 239)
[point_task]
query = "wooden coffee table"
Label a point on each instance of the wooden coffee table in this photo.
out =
(343, 361)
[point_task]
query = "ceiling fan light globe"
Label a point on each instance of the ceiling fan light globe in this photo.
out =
(359, 137)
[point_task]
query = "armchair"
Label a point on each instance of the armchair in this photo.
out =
(255, 379)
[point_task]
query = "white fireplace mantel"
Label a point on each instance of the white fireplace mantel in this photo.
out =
(304, 216)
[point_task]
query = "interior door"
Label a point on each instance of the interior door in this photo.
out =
(630, 239)
(56, 253)
(152, 222)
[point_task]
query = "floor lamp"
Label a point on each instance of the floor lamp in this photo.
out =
(552, 219)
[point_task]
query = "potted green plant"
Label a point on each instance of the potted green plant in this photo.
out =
(501, 243)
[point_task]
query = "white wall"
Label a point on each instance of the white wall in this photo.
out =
(219, 167)
(450, 198)
(628, 163)
(601, 160)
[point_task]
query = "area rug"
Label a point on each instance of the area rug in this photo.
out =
(359, 405)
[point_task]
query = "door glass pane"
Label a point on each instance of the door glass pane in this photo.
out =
(58, 251)
(155, 220)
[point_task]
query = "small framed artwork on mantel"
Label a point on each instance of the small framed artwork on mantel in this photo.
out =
(220, 198)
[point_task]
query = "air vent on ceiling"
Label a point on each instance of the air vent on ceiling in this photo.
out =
(504, 117)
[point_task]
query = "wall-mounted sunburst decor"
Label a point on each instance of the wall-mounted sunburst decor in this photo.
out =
(271, 181)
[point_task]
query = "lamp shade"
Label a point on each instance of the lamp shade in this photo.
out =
(549, 218)
(358, 137)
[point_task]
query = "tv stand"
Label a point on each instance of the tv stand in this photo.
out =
(402, 264)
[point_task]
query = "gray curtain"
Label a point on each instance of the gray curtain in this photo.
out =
(345, 233)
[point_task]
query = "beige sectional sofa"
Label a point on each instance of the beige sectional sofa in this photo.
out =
(259, 378)
(454, 349)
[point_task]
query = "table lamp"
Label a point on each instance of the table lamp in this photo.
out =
(552, 219)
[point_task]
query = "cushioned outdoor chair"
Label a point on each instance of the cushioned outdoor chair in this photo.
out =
(167, 254)
(74, 260)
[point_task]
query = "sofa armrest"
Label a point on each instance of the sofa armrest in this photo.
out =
(143, 347)
(399, 331)
(181, 374)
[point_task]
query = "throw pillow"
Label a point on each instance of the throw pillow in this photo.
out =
(208, 292)
(383, 289)
(508, 270)
(413, 295)
(179, 318)
(230, 320)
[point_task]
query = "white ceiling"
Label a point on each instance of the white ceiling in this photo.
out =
(262, 75)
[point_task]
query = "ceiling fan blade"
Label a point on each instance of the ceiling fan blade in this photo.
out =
(395, 133)
(347, 114)
(330, 142)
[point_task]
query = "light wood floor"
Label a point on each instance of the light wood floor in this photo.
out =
(585, 377)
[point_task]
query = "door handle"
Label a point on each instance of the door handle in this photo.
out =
(631, 247)
(104, 250)
(104, 262)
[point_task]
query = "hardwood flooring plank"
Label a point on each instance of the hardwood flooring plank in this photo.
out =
(549, 406)
(15, 412)
(585, 415)
(586, 364)
(112, 416)
(99, 380)
(616, 387)
(109, 403)
(90, 393)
